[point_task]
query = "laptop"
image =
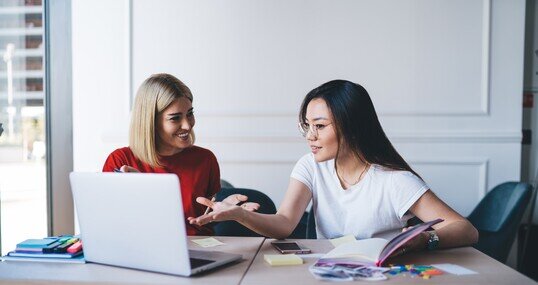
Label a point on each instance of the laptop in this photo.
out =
(136, 220)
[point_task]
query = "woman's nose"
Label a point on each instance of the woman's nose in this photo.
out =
(310, 136)
(186, 124)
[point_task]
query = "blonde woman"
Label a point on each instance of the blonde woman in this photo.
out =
(161, 140)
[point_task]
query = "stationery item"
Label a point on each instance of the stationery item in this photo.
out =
(45, 245)
(282, 259)
(76, 247)
(44, 255)
(341, 240)
(347, 271)
(375, 251)
(64, 246)
(424, 271)
(454, 269)
(38, 249)
(209, 208)
(207, 242)
(37, 243)
(333, 276)
(76, 259)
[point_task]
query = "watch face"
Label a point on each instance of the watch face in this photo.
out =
(433, 241)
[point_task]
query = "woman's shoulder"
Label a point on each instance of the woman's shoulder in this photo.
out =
(122, 151)
(119, 157)
(395, 175)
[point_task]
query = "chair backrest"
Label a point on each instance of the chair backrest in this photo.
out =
(225, 184)
(311, 225)
(300, 230)
(497, 217)
(232, 228)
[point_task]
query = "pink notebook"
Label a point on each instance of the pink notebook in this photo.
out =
(374, 250)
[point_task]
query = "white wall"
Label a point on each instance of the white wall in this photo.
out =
(445, 77)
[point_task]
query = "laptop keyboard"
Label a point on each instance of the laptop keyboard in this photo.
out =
(197, 262)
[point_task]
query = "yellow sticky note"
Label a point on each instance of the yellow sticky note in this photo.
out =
(207, 242)
(282, 259)
(341, 240)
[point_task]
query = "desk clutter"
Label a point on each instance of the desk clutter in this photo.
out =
(67, 249)
(328, 270)
(350, 271)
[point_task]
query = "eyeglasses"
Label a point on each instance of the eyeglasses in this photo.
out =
(314, 129)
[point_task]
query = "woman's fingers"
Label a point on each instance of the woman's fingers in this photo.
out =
(222, 211)
(251, 206)
(205, 219)
(127, 168)
(206, 202)
(235, 199)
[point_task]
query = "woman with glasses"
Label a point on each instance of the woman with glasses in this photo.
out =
(355, 178)
(161, 140)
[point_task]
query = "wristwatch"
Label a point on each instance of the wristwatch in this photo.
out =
(433, 240)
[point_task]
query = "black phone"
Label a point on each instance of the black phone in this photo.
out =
(289, 247)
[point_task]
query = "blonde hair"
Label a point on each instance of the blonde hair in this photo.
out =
(154, 95)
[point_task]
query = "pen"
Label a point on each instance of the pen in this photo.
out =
(117, 170)
(208, 208)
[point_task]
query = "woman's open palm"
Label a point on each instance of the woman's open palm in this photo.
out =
(225, 210)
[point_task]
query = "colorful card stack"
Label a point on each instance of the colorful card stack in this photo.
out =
(53, 249)
(346, 270)
(424, 271)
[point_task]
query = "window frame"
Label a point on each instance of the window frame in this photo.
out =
(59, 117)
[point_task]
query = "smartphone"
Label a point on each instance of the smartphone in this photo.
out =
(289, 247)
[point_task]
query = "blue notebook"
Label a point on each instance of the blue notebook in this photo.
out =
(37, 243)
(33, 257)
(44, 255)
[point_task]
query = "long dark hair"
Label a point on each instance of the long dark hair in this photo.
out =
(356, 123)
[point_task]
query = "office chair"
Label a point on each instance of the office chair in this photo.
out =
(497, 218)
(225, 184)
(311, 225)
(300, 230)
(233, 228)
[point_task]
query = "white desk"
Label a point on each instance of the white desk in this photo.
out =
(18, 272)
(490, 271)
(259, 272)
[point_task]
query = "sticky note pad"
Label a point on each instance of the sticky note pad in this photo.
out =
(282, 259)
(341, 240)
(207, 242)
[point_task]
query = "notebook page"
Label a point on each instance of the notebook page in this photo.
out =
(363, 250)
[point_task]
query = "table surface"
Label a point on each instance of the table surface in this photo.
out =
(64, 273)
(489, 270)
(254, 270)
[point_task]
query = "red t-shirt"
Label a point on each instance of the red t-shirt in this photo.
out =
(198, 172)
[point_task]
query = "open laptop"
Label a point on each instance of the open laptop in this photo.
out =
(136, 220)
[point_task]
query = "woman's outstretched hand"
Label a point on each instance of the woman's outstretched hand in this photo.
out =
(225, 210)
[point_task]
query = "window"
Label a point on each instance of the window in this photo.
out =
(23, 165)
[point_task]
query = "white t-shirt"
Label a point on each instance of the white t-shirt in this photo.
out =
(375, 207)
